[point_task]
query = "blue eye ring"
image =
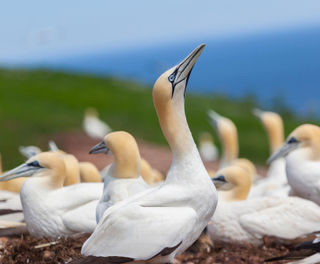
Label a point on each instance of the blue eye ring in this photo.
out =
(34, 164)
(292, 140)
(171, 77)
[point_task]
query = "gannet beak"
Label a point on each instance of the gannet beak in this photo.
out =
(283, 151)
(24, 170)
(183, 69)
(257, 112)
(213, 118)
(99, 148)
(219, 181)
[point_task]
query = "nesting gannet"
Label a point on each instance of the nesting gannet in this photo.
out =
(275, 183)
(249, 220)
(93, 126)
(123, 179)
(228, 135)
(165, 220)
(302, 155)
(208, 151)
(307, 252)
(51, 210)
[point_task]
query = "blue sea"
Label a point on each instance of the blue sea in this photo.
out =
(270, 65)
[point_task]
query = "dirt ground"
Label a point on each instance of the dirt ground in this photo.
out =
(25, 249)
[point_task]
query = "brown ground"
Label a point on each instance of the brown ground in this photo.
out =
(25, 249)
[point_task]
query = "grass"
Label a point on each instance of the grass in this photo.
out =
(37, 104)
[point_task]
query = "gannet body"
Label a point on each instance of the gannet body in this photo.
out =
(93, 126)
(302, 155)
(275, 183)
(249, 220)
(208, 151)
(51, 210)
(123, 178)
(163, 221)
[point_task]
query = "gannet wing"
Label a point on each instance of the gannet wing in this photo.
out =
(82, 218)
(139, 232)
(76, 195)
(278, 220)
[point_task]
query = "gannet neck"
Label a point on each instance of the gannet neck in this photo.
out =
(125, 150)
(89, 172)
(72, 169)
(273, 125)
(229, 139)
(173, 122)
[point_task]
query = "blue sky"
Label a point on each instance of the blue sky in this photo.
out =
(35, 28)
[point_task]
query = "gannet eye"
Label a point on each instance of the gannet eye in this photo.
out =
(172, 77)
(34, 164)
(292, 140)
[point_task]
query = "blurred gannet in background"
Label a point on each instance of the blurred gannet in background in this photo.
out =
(89, 172)
(302, 155)
(208, 151)
(307, 252)
(165, 220)
(29, 151)
(51, 210)
(93, 126)
(228, 135)
(150, 175)
(275, 183)
(250, 220)
(123, 179)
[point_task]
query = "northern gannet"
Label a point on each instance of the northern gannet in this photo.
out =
(93, 126)
(250, 220)
(275, 183)
(302, 155)
(228, 135)
(123, 178)
(89, 172)
(208, 151)
(51, 210)
(165, 220)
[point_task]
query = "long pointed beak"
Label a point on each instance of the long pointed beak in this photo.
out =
(257, 112)
(282, 152)
(185, 67)
(99, 148)
(21, 171)
(213, 117)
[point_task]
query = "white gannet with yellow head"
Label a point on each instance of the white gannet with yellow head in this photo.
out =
(207, 149)
(228, 136)
(302, 155)
(275, 184)
(123, 178)
(51, 210)
(241, 220)
(93, 126)
(165, 220)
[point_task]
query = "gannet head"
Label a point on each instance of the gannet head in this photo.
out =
(205, 137)
(248, 166)
(227, 133)
(125, 150)
(38, 165)
(306, 136)
(91, 112)
(233, 177)
(150, 175)
(273, 124)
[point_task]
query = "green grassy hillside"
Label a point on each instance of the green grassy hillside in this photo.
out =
(37, 104)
